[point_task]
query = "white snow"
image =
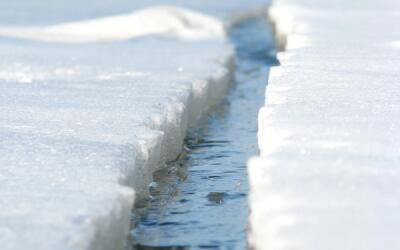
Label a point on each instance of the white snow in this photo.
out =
(72, 143)
(327, 176)
(166, 20)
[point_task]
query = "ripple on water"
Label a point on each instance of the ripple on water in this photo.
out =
(200, 199)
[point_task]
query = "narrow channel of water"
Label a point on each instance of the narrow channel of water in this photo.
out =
(200, 201)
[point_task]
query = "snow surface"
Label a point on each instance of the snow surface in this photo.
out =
(328, 172)
(83, 125)
(75, 131)
(167, 21)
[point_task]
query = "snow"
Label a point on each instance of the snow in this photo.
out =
(327, 175)
(167, 20)
(84, 125)
(80, 124)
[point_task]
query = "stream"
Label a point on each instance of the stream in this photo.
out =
(200, 200)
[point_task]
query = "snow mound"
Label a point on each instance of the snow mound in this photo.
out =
(166, 21)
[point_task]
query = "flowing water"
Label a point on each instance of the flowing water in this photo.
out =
(200, 201)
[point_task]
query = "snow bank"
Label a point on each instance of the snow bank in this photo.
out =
(327, 176)
(164, 21)
(84, 125)
(79, 134)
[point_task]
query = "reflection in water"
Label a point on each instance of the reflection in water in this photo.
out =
(142, 247)
(200, 200)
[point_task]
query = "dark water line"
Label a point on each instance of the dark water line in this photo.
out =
(200, 201)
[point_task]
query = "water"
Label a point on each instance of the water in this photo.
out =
(200, 201)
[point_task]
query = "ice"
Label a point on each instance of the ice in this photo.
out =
(327, 175)
(84, 125)
(71, 143)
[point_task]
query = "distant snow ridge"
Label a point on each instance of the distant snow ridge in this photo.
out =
(161, 20)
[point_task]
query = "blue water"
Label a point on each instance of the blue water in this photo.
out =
(200, 201)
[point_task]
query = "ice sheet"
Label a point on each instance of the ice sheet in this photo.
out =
(80, 123)
(327, 175)
(84, 125)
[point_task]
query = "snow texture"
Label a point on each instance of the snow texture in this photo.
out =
(75, 132)
(84, 125)
(328, 172)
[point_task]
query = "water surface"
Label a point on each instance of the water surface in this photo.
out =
(200, 200)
